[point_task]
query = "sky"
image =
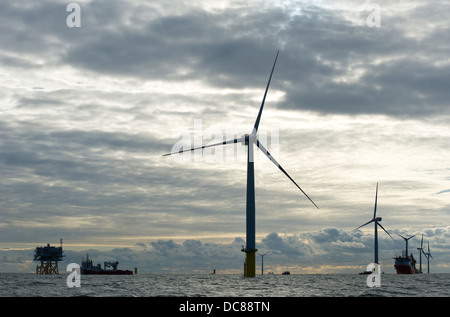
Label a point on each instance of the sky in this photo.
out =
(359, 97)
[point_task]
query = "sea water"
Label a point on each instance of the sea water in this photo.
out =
(224, 285)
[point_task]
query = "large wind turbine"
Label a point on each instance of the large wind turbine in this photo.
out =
(376, 220)
(428, 256)
(406, 241)
(249, 140)
(420, 253)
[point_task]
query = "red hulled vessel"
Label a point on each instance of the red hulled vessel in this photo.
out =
(406, 264)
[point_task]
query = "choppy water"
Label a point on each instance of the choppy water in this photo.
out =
(189, 285)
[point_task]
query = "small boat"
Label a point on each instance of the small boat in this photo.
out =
(286, 273)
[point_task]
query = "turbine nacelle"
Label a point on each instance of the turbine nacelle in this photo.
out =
(248, 138)
(245, 139)
(378, 219)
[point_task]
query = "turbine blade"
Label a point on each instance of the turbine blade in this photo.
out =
(375, 208)
(264, 150)
(255, 128)
(421, 242)
(237, 140)
(385, 230)
(364, 224)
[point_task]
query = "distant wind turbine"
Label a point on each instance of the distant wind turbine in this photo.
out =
(262, 261)
(376, 220)
(406, 241)
(420, 253)
(249, 140)
(428, 256)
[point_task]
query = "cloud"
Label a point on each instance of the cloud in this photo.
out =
(352, 69)
(86, 114)
(299, 253)
(275, 243)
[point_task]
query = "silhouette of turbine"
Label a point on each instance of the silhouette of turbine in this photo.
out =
(249, 140)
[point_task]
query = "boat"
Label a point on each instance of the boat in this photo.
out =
(286, 273)
(405, 264)
(88, 268)
(372, 268)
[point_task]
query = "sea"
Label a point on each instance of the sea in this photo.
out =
(226, 292)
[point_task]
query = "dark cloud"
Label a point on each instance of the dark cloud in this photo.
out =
(327, 64)
(275, 242)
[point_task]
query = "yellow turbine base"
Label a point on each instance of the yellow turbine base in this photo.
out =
(250, 264)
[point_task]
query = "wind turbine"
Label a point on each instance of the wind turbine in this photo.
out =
(428, 255)
(376, 220)
(420, 253)
(406, 240)
(262, 261)
(249, 140)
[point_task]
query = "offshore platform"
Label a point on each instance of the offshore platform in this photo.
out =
(49, 257)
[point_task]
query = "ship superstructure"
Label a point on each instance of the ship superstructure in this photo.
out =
(109, 268)
(405, 264)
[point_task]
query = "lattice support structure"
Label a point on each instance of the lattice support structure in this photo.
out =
(47, 267)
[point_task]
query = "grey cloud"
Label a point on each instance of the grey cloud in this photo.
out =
(312, 58)
(302, 250)
(326, 235)
(232, 49)
(164, 247)
(275, 242)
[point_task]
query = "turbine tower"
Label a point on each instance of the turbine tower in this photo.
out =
(406, 241)
(420, 253)
(376, 220)
(428, 256)
(249, 140)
